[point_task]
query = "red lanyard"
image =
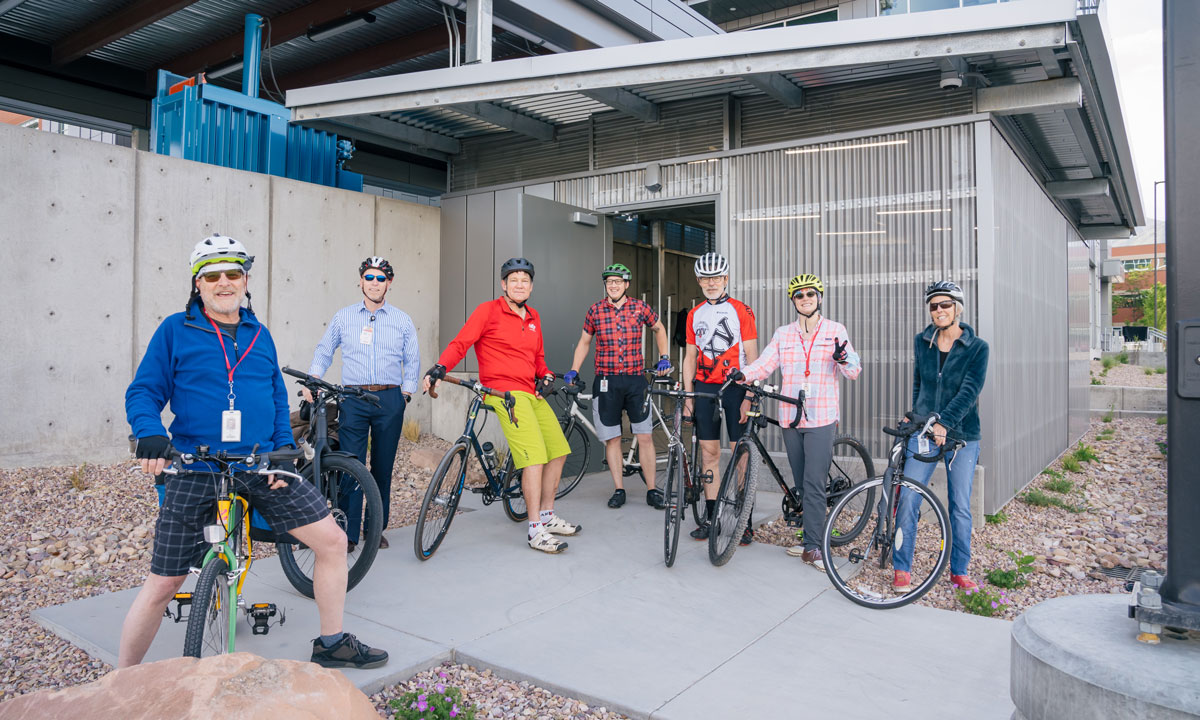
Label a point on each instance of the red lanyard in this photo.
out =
(225, 355)
(808, 350)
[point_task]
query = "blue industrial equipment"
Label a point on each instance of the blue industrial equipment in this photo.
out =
(198, 121)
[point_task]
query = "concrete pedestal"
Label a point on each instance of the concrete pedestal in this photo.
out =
(1078, 657)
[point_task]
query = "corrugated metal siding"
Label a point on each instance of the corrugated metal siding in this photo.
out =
(1028, 369)
(685, 180)
(508, 158)
(875, 267)
(1079, 290)
(856, 106)
(686, 127)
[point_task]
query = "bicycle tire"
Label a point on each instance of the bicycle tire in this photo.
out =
(695, 490)
(576, 464)
(856, 571)
(514, 501)
(441, 501)
(844, 475)
(347, 475)
(673, 496)
(210, 625)
(735, 501)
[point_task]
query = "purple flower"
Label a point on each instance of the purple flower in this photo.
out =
(995, 605)
(441, 674)
(440, 688)
(421, 697)
(422, 706)
(454, 710)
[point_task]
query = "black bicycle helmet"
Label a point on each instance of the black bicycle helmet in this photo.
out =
(945, 287)
(377, 262)
(512, 265)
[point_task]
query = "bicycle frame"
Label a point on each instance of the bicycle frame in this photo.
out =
(472, 440)
(575, 414)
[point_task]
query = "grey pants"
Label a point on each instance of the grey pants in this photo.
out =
(810, 451)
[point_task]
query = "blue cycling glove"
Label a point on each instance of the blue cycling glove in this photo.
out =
(570, 377)
(664, 363)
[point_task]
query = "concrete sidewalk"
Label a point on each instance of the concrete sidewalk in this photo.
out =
(608, 623)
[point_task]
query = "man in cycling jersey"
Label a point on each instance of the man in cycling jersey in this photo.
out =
(507, 336)
(216, 365)
(721, 334)
(616, 322)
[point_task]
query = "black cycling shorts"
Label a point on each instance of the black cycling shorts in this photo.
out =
(625, 393)
(708, 427)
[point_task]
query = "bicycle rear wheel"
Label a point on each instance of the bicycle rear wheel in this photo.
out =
(514, 500)
(577, 461)
(863, 569)
(694, 492)
(673, 496)
(441, 501)
(850, 468)
(210, 626)
(351, 494)
(735, 500)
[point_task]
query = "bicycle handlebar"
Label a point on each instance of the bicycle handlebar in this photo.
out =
(312, 381)
(477, 387)
(757, 387)
(919, 425)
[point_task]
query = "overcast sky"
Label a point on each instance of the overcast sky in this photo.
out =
(1136, 42)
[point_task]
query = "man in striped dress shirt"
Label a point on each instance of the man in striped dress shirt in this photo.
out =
(380, 355)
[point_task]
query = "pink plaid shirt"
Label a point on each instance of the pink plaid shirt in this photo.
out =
(786, 351)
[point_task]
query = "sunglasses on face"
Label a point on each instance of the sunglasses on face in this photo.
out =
(212, 277)
(944, 305)
(375, 278)
(806, 294)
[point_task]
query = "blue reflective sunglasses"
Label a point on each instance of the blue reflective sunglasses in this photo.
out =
(375, 278)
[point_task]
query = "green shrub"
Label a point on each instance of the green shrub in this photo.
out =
(997, 519)
(978, 601)
(1037, 498)
(1022, 565)
(1162, 447)
(1160, 420)
(1108, 363)
(1160, 371)
(1096, 381)
(439, 703)
(1108, 416)
(1052, 473)
(1061, 485)
(1085, 453)
(1123, 358)
(1070, 464)
(1148, 371)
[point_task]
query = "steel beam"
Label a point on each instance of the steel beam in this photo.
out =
(505, 118)
(114, 27)
(479, 31)
(1087, 141)
(622, 100)
(284, 27)
(1027, 98)
(778, 87)
(404, 133)
(1049, 63)
(1078, 189)
(1105, 232)
(422, 42)
(6, 5)
(346, 131)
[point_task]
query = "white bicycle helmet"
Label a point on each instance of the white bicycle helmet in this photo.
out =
(712, 265)
(219, 248)
(947, 288)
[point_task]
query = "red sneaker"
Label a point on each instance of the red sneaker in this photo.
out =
(963, 582)
(902, 582)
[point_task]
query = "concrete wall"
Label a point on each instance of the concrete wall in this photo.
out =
(101, 236)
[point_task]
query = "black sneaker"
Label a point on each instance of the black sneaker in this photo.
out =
(617, 499)
(700, 533)
(654, 498)
(748, 536)
(347, 652)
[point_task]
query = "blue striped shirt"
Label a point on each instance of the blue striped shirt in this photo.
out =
(391, 358)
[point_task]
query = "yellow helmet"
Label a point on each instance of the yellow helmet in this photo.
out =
(807, 280)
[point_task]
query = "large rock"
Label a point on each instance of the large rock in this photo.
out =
(241, 685)
(425, 458)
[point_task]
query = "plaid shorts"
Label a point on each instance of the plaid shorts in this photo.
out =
(190, 504)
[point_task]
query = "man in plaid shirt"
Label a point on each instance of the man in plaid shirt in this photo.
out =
(812, 353)
(616, 322)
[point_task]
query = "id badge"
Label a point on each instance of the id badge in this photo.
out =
(367, 334)
(231, 426)
(807, 388)
(603, 385)
(923, 445)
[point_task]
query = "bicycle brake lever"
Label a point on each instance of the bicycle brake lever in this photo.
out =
(509, 404)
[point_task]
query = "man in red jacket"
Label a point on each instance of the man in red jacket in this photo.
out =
(507, 337)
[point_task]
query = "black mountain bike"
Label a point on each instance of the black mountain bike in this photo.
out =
(863, 570)
(850, 468)
(446, 485)
(346, 484)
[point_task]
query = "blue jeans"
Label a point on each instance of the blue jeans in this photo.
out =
(961, 474)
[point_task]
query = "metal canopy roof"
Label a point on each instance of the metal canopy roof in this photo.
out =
(1076, 132)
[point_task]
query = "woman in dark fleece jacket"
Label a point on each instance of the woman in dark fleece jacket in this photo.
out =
(949, 371)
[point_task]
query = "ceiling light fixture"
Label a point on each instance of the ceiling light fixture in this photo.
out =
(779, 217)
(226, 68)
(702, 162)
(835, 148)
(912, 212)
(341, 25)
(856, 232)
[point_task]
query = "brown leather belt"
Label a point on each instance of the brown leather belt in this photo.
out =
(374, 388)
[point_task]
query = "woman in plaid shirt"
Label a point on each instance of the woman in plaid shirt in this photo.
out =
(811, 353)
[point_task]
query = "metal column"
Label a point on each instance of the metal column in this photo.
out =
(251, 54)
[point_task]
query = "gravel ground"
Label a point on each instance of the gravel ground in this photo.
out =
(1121, 521)
(71, 533)
(1128, 376)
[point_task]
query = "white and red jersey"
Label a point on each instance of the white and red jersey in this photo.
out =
(718, 330)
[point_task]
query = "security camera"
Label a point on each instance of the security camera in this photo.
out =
(951, 81)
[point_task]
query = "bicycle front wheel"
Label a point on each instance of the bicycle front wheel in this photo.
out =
(577, 461)
(353, 499)
(864, 569)
(850, 468)
(441, 501)
(211, 624)
(735, 501)
(673, 496)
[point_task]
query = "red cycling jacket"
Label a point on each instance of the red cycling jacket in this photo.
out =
(508, 347)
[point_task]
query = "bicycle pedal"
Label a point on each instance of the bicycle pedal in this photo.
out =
(259, 615)
(181, 599)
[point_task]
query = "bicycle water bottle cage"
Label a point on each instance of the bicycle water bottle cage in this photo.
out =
(259, 615)
(181, 599)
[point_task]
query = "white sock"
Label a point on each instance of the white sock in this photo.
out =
(534, 529)
(546, 515)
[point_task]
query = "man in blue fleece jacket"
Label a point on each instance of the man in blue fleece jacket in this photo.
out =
(216, 365)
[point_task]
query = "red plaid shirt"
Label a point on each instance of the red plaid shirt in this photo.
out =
(618, 333)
